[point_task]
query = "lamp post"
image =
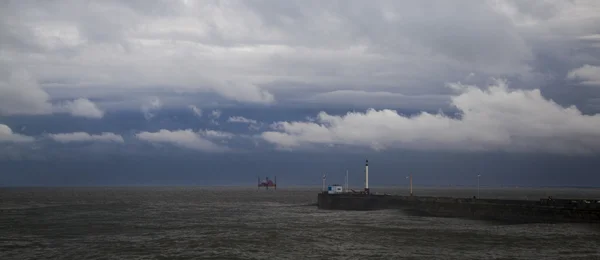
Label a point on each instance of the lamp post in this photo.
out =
(346, 180)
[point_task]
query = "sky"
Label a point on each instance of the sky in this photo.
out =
(185, 92)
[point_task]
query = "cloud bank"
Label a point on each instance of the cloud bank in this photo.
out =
(495, 118)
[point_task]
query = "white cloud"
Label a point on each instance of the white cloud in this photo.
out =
(150, 106)
(590, 75)
(216, 134)
(252, 124)
(215, 113)
(197, 112)
(7, 135)
(492, 119)
(182, 138)
(86, 137)
(80, 107)
(241, 119)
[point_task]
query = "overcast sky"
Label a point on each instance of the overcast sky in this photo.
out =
(94, 79)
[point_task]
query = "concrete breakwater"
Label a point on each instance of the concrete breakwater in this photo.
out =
(518, 211)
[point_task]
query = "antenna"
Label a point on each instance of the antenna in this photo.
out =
(324, 177)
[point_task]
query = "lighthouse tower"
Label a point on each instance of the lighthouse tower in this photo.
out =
(367, 177)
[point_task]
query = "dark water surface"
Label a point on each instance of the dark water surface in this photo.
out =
(241, 223)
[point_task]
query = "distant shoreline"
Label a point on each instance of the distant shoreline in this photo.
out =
(319, 187)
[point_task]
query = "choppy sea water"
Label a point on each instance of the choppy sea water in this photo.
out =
(243, 223)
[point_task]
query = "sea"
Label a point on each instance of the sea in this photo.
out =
(246, 223)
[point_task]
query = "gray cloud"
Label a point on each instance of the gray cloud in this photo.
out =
(22, 95)
(243, 50)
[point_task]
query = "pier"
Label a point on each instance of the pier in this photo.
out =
(514, 211)
(544, 210)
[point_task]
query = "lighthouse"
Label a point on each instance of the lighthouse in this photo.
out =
(367, 176)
